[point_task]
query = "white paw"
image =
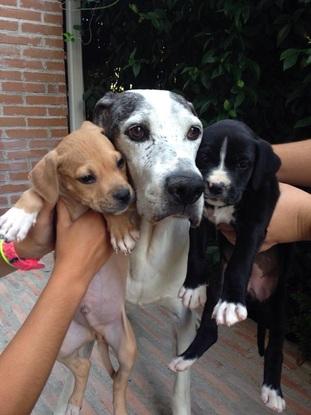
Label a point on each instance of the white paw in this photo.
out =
(272, 399)
(127, 243)
(72, 410)
(179, 364)
(229, 313)
(193, 298)
(16, 223)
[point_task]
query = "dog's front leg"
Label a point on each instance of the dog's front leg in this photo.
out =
(17, 221)
(231, 307)
(124, 230)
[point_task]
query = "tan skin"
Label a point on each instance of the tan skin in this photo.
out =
(291, 220)
(82, 247)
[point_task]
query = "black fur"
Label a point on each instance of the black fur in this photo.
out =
(254, 192)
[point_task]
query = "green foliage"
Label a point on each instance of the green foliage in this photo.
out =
(232, 58)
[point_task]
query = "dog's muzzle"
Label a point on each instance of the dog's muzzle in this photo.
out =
(185, 189)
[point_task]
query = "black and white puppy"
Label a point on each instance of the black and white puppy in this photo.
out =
(241, 189)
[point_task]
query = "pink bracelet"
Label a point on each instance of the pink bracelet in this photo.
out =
(11, 257)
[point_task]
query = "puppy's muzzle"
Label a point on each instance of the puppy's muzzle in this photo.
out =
(185, 190)
(122, 196)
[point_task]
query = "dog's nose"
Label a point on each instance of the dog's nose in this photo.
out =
(185, 189)
(122, 195)
(216, 189)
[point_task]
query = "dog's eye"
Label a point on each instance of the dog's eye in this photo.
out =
(88, 179)
(137, 133)
(121, 163)
(242, 164)
(193, 133)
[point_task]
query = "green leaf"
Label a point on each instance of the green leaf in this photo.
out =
(290, 61)
(136, 69)
(227, 105)
(304, 122)
(240, 83)
(209, 57)
(283, 33)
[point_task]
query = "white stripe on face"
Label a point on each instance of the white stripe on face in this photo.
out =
(220, 174)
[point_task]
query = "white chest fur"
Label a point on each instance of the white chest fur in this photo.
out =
(220, 214)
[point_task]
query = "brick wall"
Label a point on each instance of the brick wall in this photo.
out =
(33, 105)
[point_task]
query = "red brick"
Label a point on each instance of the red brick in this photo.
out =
(14, 75)
(53, 19)
(9, 51)
(13, 188)
(20, 14)
(43, 53)
(3, 177)
(57, 66)
(51, 6)
(27, 133)
(46, 122)
(12, 121)
(11, 144)
(18, 176)
(10, 99)
(13, 166)
(21, 63)
(44, 77)
(9, 2)
(58, 111)
(20, 40)
(8, 25)
(18, 155)
(22, 110)
(42, 29)
(62, 132)
(22, 87)
(54, 43)
(46, 100)
(42, 144)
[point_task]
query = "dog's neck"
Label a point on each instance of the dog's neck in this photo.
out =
(75, 208)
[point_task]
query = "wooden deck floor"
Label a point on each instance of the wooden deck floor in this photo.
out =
(224, 382)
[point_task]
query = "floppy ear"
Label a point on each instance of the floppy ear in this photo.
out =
(267, 163)
(44, 177)
(102, 111)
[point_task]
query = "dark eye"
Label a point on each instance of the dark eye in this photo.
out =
(121, 163)
(193, 133)
(137, 133)
(88, 179)
(242, 164)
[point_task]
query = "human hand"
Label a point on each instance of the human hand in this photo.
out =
(290, 222)
(40, 238)
(82, 246)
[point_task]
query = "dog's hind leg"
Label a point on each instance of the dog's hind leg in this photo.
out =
(119, 335)
(184, 334)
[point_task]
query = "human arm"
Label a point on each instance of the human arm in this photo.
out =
(38, 242)
(290, 222)
(296, 162)
(82, 247)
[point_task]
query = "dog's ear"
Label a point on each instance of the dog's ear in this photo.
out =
(44, 177)
(267, 163)
(102, 111)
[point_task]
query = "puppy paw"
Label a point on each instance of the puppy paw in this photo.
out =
(273, 398)
(124, 243)
(229, 313)
(193, 297)
(179, 364)
(16, 223)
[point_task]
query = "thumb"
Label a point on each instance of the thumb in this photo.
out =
(63, 216)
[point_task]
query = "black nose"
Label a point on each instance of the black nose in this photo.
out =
(216, 189)
(185, 189)
(122, 195)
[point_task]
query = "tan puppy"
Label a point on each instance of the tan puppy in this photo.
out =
(87, 172)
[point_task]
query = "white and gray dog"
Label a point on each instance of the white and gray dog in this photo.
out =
(159, 134)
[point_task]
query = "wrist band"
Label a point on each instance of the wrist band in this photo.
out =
(10, 257)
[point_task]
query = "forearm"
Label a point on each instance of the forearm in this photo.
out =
(5, 269)
(296, 162)
(27, 361)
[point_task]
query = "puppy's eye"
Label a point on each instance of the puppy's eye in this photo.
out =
(121, 163)
(137, 133)
(193, 133)
(88, 179)
(242, 164)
